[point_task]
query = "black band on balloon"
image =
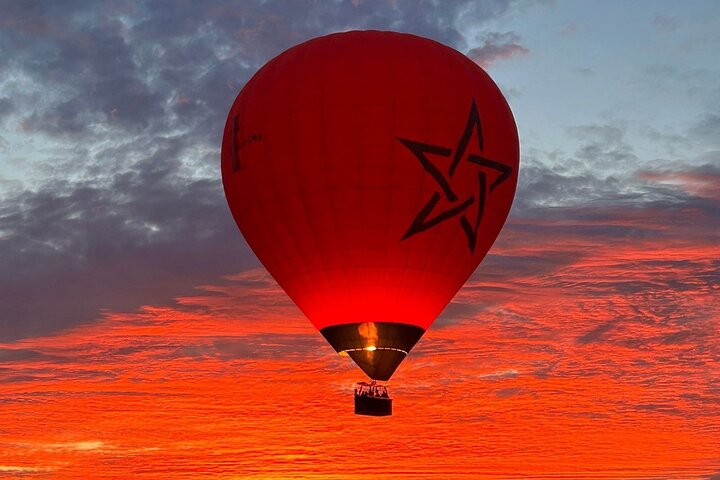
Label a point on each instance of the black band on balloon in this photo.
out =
(377, 348)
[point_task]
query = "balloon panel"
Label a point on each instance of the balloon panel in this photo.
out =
(370, 172)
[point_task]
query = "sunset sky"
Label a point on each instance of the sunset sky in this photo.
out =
(141, 338)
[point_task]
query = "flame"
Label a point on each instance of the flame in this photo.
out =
(368, 331)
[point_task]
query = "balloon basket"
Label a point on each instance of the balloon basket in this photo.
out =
(372, 399)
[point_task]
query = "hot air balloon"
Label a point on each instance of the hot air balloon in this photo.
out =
(370, 172)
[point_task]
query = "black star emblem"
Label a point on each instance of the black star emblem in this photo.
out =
(427, 217)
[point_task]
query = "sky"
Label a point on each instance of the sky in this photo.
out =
(141, 338)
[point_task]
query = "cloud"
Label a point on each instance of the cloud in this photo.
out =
(142, 235)
(502, 374)
(18, 470)
(569, 29)
(495, 47)
(82, 446)
(255, 346)
(700, 181)
(708, 127)
(600, 170)
(665, 23)
(606, 170)
(9, 355)
(6, 107)
(596, 334)
(585, 72)
(118, 66)
(126, 103)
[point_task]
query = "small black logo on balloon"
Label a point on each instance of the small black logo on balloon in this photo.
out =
(452, 205)
(237, 143)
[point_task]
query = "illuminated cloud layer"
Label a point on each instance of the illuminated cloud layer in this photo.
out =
(591, 356)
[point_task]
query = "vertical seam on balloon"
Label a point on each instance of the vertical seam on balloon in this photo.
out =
(254, 81)
(439, 250)
(499, 97)
(331, 275)
(390, 272)
(452, 289)
(320, 266)
(334, 251)
(369, 254)
(266, 161)
(398, 276)
(292, 145)
(360, 269)
(421, 273)
(406, 280)
(321, 256)
(400, 269)
(348, 272)
(284, 226)
(492, 207)
(468, 66)
(447, 254)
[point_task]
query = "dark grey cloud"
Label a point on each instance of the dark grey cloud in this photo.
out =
(665, 408)
(709, 127)
(541, 185)
(601, 169)
(606, 171)
(596, 334)
(510, 392)
(665, 23)
(84, 68)
(8, 355)
(584, 71)
(132, 66)
(603, 145)
(674, 79)
(569, 29)
(128, 101)
(289, 347)
(141, 236)
(41, 375)
(6, 107)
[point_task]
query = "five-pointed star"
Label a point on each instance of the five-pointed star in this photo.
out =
(456, 206)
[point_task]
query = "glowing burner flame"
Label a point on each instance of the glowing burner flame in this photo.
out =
(369, 333)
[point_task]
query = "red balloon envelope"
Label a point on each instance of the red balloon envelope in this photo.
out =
(370, 172)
